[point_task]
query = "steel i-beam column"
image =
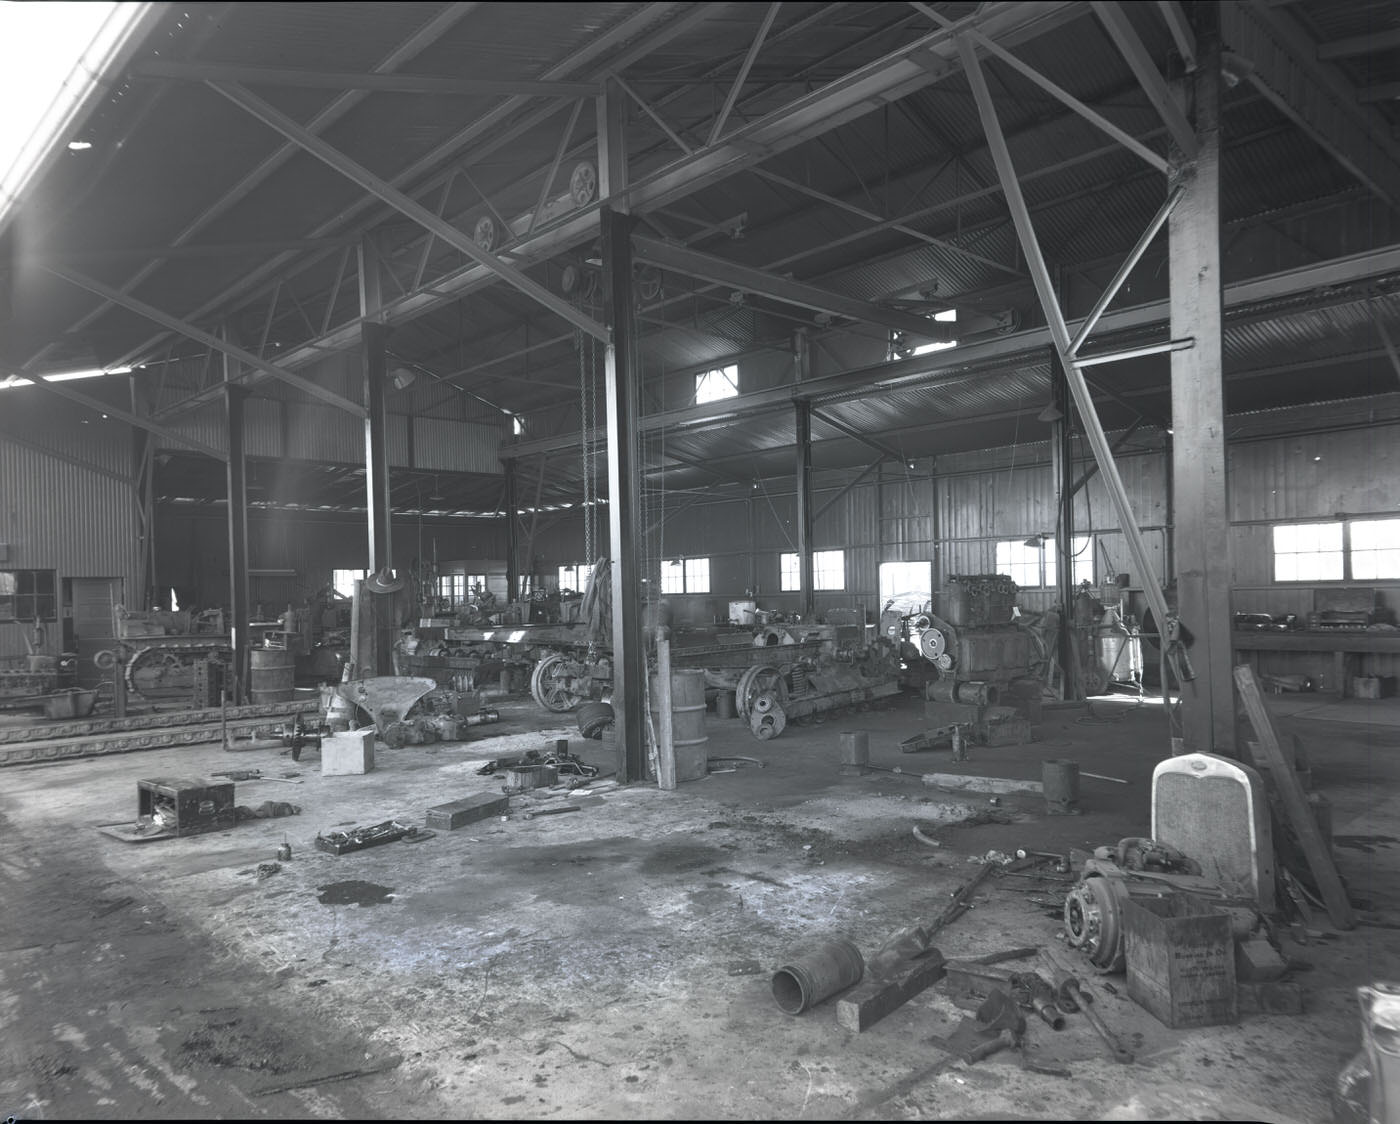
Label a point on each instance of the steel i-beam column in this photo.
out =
(373, 341)
(234, 398)
(802, 423)
(1202, 530)
(624, 495)
(1061, 444)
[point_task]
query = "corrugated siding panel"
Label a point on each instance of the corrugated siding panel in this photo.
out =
(457, 446)
(323, 433)
(206, 425)
(57, 515)
(262, 428)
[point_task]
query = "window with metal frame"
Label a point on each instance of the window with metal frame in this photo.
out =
(685, 575)
(1338, 550)
(27, 595)
(828, 571)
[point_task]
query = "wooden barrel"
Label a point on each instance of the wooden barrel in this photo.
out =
(272, 676)
(690, 743)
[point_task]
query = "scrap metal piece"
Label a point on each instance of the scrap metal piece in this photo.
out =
(386, 698)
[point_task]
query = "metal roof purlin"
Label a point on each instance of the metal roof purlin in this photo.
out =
(177, 325)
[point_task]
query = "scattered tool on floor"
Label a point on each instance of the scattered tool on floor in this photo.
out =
(534, 812)
(1101, 777)
(1069, 996)
(357, 839)
(254, 775)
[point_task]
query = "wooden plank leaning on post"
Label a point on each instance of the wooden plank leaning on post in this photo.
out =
(1295, 803)
(665, 734)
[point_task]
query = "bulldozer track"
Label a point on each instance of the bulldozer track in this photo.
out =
(137, 734)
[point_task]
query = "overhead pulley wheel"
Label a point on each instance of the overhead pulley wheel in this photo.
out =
(484, 233)
(648, 281)
(583, 183)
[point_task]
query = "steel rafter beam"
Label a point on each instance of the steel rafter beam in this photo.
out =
(1064, 97)
(1182, 34)
(1315, 96)
(175, 324)
(1367, 44)
(962, 362)
(914, 66)
(97, 406)
(884, 450)
(374, 83)
(708, 267)
(405, 205)
(1159, 220)
(425, 37)
(913, 232)
(1130, 46)
(739, 79)
(626, 31)
(1059, 331)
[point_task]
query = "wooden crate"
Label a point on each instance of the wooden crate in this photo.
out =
(1181, 960)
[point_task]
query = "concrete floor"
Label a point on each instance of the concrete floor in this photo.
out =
(615, 962)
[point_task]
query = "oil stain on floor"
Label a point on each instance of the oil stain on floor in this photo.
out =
(354, 892)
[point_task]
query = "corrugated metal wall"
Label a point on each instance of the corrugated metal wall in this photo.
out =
(1008, 494)
(309, 431)
(192, 553)
(66, 500)
(457, 446)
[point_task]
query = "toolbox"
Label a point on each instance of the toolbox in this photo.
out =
(185, 806)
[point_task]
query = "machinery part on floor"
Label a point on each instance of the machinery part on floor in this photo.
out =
(133, 735)
(966, 692)
(804, 982)
(1139, 854)
(1094, 921)
(302, 733)
(826, 696)
(594, 718)
(761, 679)
(560, 682)
(1061, 861)
(534, 812)
(767, 719)
(386, 698)
(166, 669)
(1034, 991)
(1067, 986)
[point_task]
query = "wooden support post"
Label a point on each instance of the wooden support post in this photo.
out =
(1201, 531)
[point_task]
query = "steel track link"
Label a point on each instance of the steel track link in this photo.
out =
(93, 727)
(126, 742)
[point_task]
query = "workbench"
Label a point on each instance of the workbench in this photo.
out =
(1342, 643)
